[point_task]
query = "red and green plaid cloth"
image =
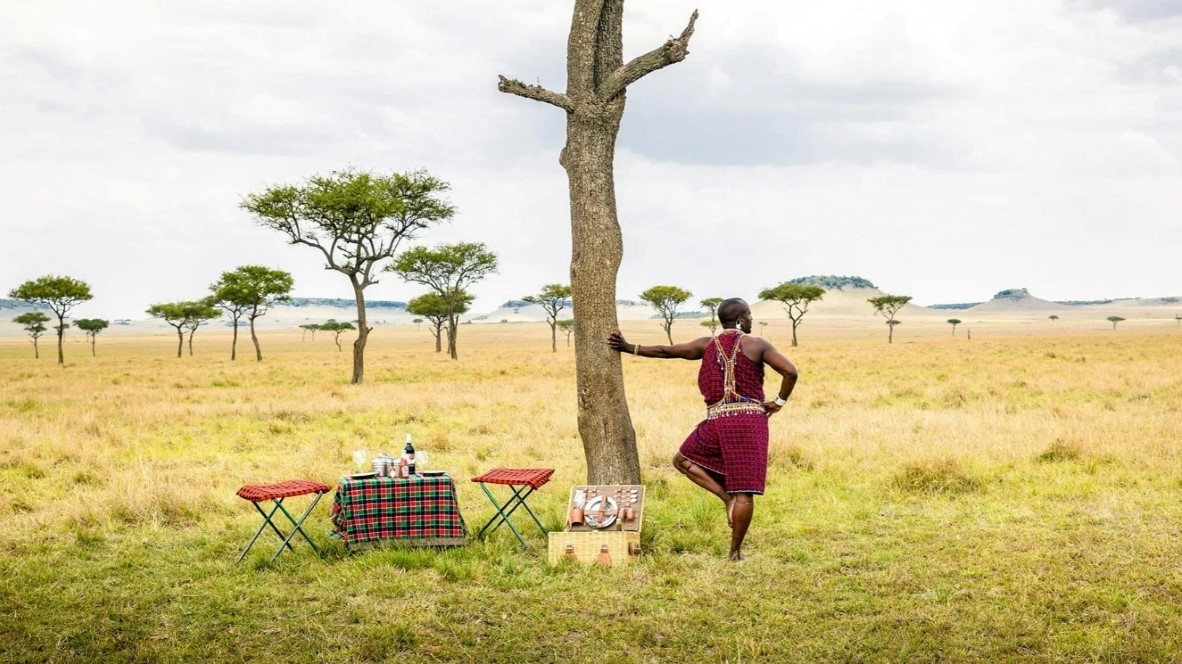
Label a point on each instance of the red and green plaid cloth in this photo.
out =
(418, 510)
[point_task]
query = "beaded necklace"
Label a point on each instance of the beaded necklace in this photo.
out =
(727, 364)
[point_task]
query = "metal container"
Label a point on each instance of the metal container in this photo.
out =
(381, 465)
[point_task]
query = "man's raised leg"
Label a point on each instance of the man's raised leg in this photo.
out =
(699, 476)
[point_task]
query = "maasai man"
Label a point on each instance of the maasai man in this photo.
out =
(727, 453)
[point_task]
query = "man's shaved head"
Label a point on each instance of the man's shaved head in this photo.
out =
(731, 309)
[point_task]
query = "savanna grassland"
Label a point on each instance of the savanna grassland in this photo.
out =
(1012, 498)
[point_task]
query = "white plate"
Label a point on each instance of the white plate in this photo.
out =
(591, 512)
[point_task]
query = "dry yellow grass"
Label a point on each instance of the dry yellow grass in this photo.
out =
(1036, 446)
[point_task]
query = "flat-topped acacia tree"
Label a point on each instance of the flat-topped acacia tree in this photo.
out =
(795, 298)
(888, 306)
(251, 291)
(34, 324)
(597, 79)
(92, 327)
(356, 220)
(448, 270)
(666, 299)
(553, 298)
(60, 294)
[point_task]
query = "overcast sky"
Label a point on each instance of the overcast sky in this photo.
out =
(943, 149)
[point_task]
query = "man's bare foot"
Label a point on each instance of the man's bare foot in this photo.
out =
(735, 557)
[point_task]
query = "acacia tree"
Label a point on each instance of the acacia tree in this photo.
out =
(307, 327)
(34, 324)
(596, 86)
(184, 315)
(59, 294)
(710, 304)
(954, 322)
(1178, 318)
(665, 299)
(1053, 318)
(433, 307)
(91, 326)
(202, 311)
(553, 298)
(356, 221)
(795, 298)
(332, 325)
(447, 270)
(567, 326)
(1114, 320)
(251, 290)
(888, 306)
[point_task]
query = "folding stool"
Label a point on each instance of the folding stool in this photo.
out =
(522, 482)
(257, 493)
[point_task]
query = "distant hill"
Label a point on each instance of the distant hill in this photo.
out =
(954, 306)
(833, 282)
(343, 303)
(20, 305)
(1016, 300)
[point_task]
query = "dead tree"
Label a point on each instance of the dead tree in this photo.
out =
(596, 87)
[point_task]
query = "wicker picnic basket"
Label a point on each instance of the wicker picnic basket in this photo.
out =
(603, 526)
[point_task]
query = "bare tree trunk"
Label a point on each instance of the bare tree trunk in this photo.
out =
(554, 336)
(362, 335)
(452, 331)
(234, 342)
(597, 78)
(180, 343)
(191, 333)
(795, 322)
(36, 351)
(605, 425)
(61, 334)
(92, 340)
(439, 338)
(258, 352)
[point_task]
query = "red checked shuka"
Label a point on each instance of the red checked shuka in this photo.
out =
(732, 440)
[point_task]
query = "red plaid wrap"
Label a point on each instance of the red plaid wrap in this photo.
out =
(257, 493)
(733, 444)
(534, 477)
(418, 510)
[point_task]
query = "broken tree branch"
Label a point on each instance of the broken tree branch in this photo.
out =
(535, 92)
(671, 52)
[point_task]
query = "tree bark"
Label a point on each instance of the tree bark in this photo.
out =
(234, 342)
(452, 331)
(61, 334)
(180, 343)
(191, 333)
(597, 78)
(554, 335)
(258, 352)
(92, 352)
(362, 335)
(605, 424)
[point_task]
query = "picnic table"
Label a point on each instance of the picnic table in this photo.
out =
(395, 511)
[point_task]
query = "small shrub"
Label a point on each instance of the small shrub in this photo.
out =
(1058, 451)
(944, 477)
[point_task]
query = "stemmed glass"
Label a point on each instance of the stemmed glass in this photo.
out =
(420, 462)
(359, 458)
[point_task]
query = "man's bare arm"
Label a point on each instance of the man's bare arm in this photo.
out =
(691, 350)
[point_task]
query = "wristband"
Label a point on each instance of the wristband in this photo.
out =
(779, 402)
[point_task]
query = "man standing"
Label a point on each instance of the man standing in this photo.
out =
(726, 454)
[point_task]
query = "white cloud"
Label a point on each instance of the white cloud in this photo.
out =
(941, 149)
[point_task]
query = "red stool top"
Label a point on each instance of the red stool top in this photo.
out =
(534, 477)
(259, 492)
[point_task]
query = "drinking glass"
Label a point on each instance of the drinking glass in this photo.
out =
(420, 462)
(360, 457)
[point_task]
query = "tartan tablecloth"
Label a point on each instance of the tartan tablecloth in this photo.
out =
(416, 511)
